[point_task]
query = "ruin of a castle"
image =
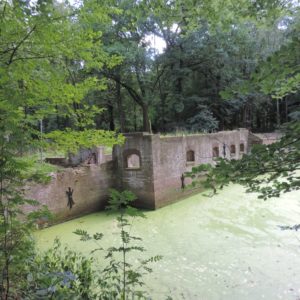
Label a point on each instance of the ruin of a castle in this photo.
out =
(150, 165)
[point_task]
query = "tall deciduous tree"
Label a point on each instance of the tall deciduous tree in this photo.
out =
(40, 47)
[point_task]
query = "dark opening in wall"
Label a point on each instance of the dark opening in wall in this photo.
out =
(92, 159)
(215, 151)
(242, 148)
(232, 150)
(190, 156)
(132, 159)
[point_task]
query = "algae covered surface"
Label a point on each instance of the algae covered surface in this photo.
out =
(228, 246)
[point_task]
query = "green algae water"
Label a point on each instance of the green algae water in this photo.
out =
(227, 247)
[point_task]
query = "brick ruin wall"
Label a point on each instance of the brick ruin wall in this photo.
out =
(269, 138)
(139, 180)
(90, 182)
(149, 165)
(163, 160)
(177, 155)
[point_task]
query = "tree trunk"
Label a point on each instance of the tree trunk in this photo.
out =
(277, 112)
(135, 117)
(120, 105)
(139, 100)
(163, 120)
(258, 121)
(244, 113)
(286, 109)
(146, 120)
(110, 110)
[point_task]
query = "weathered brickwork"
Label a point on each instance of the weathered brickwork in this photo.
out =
(150, 165)
(138, 180)
(163, 160)
(90, 184)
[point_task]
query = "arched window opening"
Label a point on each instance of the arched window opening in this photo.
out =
(216, 151)
(242, 148)
(190, 156)
(232, 150)
(133, 161)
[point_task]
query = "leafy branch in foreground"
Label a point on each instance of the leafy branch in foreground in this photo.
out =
(121, 279)
(59, 273)
(15, 228)
(71, 141)
(268, 170)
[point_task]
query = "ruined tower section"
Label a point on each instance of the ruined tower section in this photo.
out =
(134, 167)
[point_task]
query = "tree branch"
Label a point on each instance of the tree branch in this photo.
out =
(11, 59)
(32, 57)
(136, 97)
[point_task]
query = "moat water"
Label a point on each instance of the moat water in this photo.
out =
(227, 247)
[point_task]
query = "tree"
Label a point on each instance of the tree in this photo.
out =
(122, 278)
(269, 169)
(276, 74)
(38, 52)
(125, 38)
(205, 52)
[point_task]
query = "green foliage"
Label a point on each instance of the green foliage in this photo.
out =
(59, 273)
(277, 81)
(44, 48)
(207, 55)
(204, 121)
(121, 278)
(71, 141)
(36, 170)
(16, 244)
(40, 64)
(278, 75)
